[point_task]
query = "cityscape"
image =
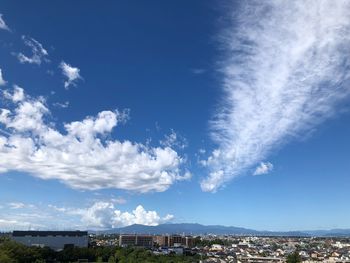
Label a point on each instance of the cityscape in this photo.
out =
(184, 248)
(186, 131)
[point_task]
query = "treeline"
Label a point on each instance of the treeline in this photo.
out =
(12, 252)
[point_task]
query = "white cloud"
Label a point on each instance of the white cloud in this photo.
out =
(98, 215)
(2, 81)
(105, 215)
(8, 224)
(3, 24)
(263, 168)
(39, 53)
(201, 151)
(16, 205)
(19, 215)
(17, 94)
(118, 200)
(58, 209)
(71, 73)
(82, 156)
(174, 140)
(62, 105)
(286, 70)
(198, 71)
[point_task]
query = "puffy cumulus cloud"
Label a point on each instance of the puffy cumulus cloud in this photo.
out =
(285, 70)
(263, 168)
(17, 94)
(139, 216)
(105, 215)
(2, 81)
(3, 24)
(72, 74)
(83, 155)
(39, 53)
(99, 215)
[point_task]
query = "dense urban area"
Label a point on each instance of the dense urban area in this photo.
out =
(81, 246)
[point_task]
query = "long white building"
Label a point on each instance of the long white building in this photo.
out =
(56, 240)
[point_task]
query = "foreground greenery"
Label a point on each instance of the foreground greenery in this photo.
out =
(294, 258)
(12, 252)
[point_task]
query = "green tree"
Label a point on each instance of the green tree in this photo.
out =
(294, 258)
(4, 258)
(112, 259)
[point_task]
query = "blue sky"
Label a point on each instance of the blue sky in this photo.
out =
(117, 113)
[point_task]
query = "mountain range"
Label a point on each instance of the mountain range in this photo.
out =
(198, 229)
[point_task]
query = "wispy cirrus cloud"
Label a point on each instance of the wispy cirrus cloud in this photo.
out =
(286, 69)
(11, 224)
(83, 155)
(198, 71)
(263, 168)
(174, 140)
(3, 25)
(39, 53)
(72, 74)
(62, 105)
(16, 205)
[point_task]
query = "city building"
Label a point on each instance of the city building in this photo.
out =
(127, 240)
(145, 241)
(162, 241)
(189, 242)
(56, 240)
(174, 241)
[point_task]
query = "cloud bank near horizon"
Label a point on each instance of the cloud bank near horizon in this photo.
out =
(286, 68)
(101, 214)
(105, 215)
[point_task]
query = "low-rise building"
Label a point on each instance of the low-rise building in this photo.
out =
(145, 241)
(162, 241)
(174, 241)
(56, 240)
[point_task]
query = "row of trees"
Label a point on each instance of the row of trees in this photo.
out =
(12, 252)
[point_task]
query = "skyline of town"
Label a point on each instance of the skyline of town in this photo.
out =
(205, 248)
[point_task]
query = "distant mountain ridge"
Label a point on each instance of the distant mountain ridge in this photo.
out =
(198, 229)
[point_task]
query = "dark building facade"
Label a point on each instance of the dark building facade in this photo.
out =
(56, 240)
(136, 240)
(174, 241)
